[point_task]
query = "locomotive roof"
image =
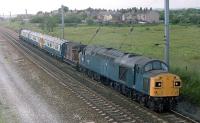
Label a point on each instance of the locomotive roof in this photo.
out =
(132, 61)
(24, 30)
(107, 52)
(125, 59)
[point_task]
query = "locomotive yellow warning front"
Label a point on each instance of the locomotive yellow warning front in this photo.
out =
(165, 84)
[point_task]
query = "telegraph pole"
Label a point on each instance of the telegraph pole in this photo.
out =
(63, 26)
(167, 40)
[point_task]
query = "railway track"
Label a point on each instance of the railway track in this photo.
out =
(181, 115)
(116, 109)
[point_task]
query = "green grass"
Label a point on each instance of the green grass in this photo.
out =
(184, 49)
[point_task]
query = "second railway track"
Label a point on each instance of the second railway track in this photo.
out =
(109, 104)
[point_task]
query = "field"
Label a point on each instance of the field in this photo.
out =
(147, 40)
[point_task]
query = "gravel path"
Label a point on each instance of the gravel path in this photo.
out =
(28, 95)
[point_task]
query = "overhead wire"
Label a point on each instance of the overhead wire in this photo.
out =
(95, 34)
(122, 42)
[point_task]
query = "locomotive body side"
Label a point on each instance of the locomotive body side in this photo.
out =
(133, 75)
(96, 61)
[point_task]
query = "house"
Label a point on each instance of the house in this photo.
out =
(116, 17)
(55, 12)
(129, 17)
(24, 17)
(149, 17)
(104, 16)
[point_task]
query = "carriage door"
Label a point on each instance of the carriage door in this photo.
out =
(66, 51)
(41, 42)
(137, 74)
(138, 79)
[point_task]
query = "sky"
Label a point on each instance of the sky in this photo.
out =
(33, 6)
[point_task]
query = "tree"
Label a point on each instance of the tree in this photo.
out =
(37, 19)
(90, 21)
(183, 16)
(141, 9)
(73, 18)
(51, 23)
(39, 13)
(65, 8)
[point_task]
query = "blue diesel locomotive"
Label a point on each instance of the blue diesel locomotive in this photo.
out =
(143, 79)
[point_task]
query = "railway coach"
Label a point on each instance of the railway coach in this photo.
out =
(65, 50)
(50, 44)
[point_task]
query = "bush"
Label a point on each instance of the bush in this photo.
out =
(71, 24)
(147, 28)
(90, 21)
(37, 19)
(191, 84)
(73, 19)
(184, 16)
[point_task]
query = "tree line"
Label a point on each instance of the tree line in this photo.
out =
(183, 16)
(48, 21)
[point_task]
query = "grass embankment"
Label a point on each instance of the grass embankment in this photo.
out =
(149, 41)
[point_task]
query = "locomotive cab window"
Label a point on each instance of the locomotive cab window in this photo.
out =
(164, 67)
(155, 65)
(123, 73)
(148, 67)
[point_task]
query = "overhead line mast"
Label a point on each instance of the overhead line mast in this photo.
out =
(63, 25)
(167, 34)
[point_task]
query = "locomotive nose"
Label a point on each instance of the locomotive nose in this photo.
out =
(165, 84)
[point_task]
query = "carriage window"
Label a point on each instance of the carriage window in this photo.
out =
(122, 73)
(34, 38)
(56, 47)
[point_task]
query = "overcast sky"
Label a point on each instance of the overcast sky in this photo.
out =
(33, 6)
